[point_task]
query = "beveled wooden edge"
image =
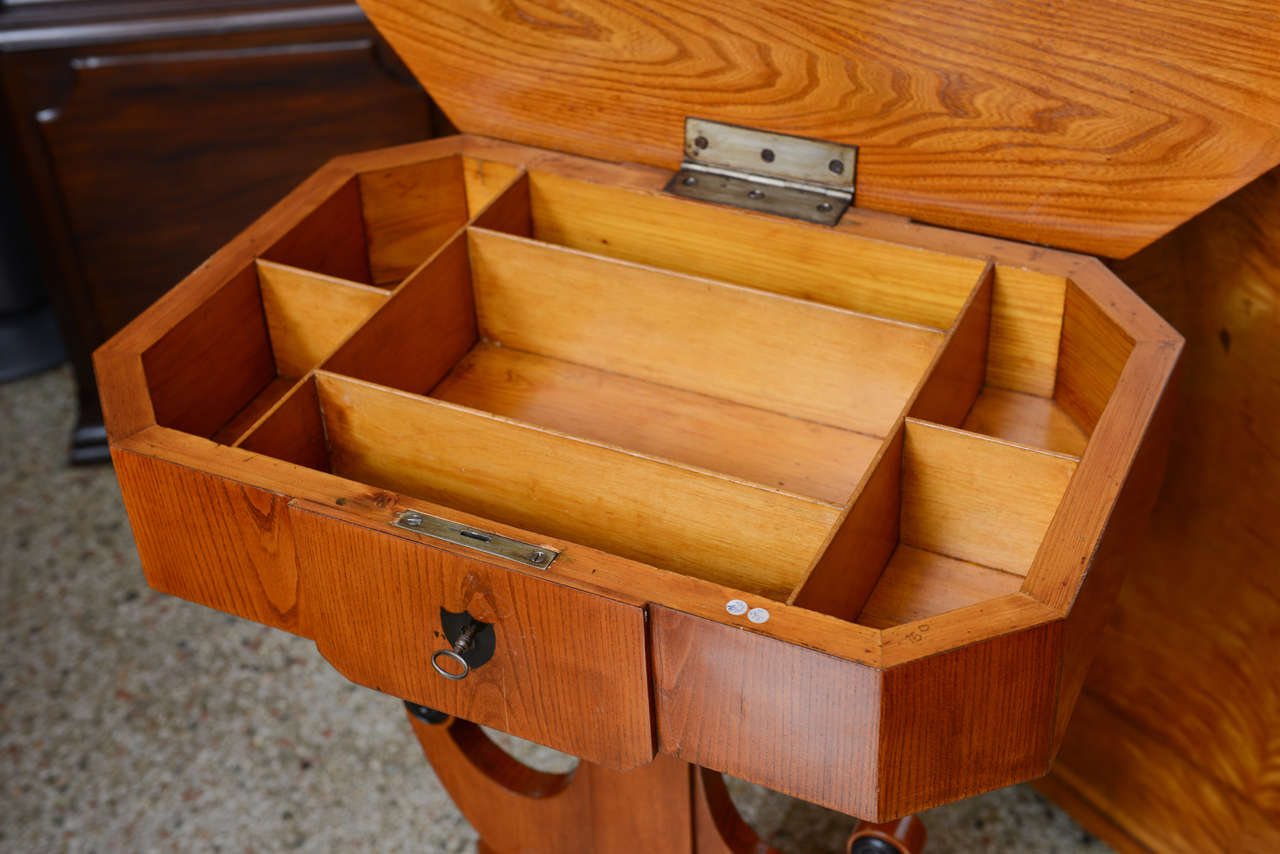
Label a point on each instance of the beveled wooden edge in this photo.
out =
(1061, 565)
(972, 624)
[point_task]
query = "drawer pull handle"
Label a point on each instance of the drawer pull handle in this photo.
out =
(460, 647)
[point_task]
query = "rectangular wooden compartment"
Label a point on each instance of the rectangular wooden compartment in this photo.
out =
(894, 454)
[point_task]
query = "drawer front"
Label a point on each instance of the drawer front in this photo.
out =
(877, 744)
(786, 717)
(569, 669)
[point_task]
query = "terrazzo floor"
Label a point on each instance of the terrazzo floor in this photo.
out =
(131, 721)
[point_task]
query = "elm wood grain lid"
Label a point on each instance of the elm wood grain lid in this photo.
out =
(1091, 126)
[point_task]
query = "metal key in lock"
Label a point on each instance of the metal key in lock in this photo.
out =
(473, 644)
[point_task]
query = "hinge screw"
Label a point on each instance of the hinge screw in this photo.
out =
(756, 195)
(701, 142)
(690, 180)
(825, 207)
(413, 520)
(538, 556)
(836, 166)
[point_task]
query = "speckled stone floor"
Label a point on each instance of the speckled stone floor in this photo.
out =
(130, 721)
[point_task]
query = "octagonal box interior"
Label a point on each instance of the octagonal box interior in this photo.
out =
(900, 447)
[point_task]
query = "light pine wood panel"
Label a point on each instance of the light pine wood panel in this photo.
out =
(718, 705)
(309, 315)
(977, 499)
(677, 518)
(410, 212)
(1026, 326)
(484, 180)
(846, 571)
(293, 430)
(954, 379)
(790, 356)
(748, 443)
(1026, 419)
(1064, 124)
(917, 584)
(418, 334)
(1094, 351)
(328, 238)
(214, 361)
(213, 540)
(759, 251)
(568, 670)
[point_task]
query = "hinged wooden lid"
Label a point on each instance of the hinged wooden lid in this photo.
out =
(1090, 126)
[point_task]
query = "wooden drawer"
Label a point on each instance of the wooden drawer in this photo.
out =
(818, 505)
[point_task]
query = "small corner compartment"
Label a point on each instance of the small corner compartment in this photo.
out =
(946, 519)
(1047, 360)
(382, 224)
(235, 355)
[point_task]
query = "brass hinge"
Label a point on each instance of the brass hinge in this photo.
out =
(776, 173)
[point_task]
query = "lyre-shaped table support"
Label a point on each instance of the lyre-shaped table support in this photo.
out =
(666, 806)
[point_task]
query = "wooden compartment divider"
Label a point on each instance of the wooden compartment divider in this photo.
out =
(426, 326)
(945, 519)
(800, 260)
(801, 358)
(381, 224)
(802, 456)
(310, 314)
(670, 515)
(226, 364)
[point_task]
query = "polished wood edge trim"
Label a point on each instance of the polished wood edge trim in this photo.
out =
(403, 155)
(994, 440)
(1059, 571)
(176, 25)
(346, 499)
(1089, 815)
(321, 279)
(123, 392)
(1121, 305)
(963, 627)
(373, 520)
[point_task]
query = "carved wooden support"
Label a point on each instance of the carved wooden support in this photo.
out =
(667, 805)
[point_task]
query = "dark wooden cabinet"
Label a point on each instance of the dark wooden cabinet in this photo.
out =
(146, 134)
